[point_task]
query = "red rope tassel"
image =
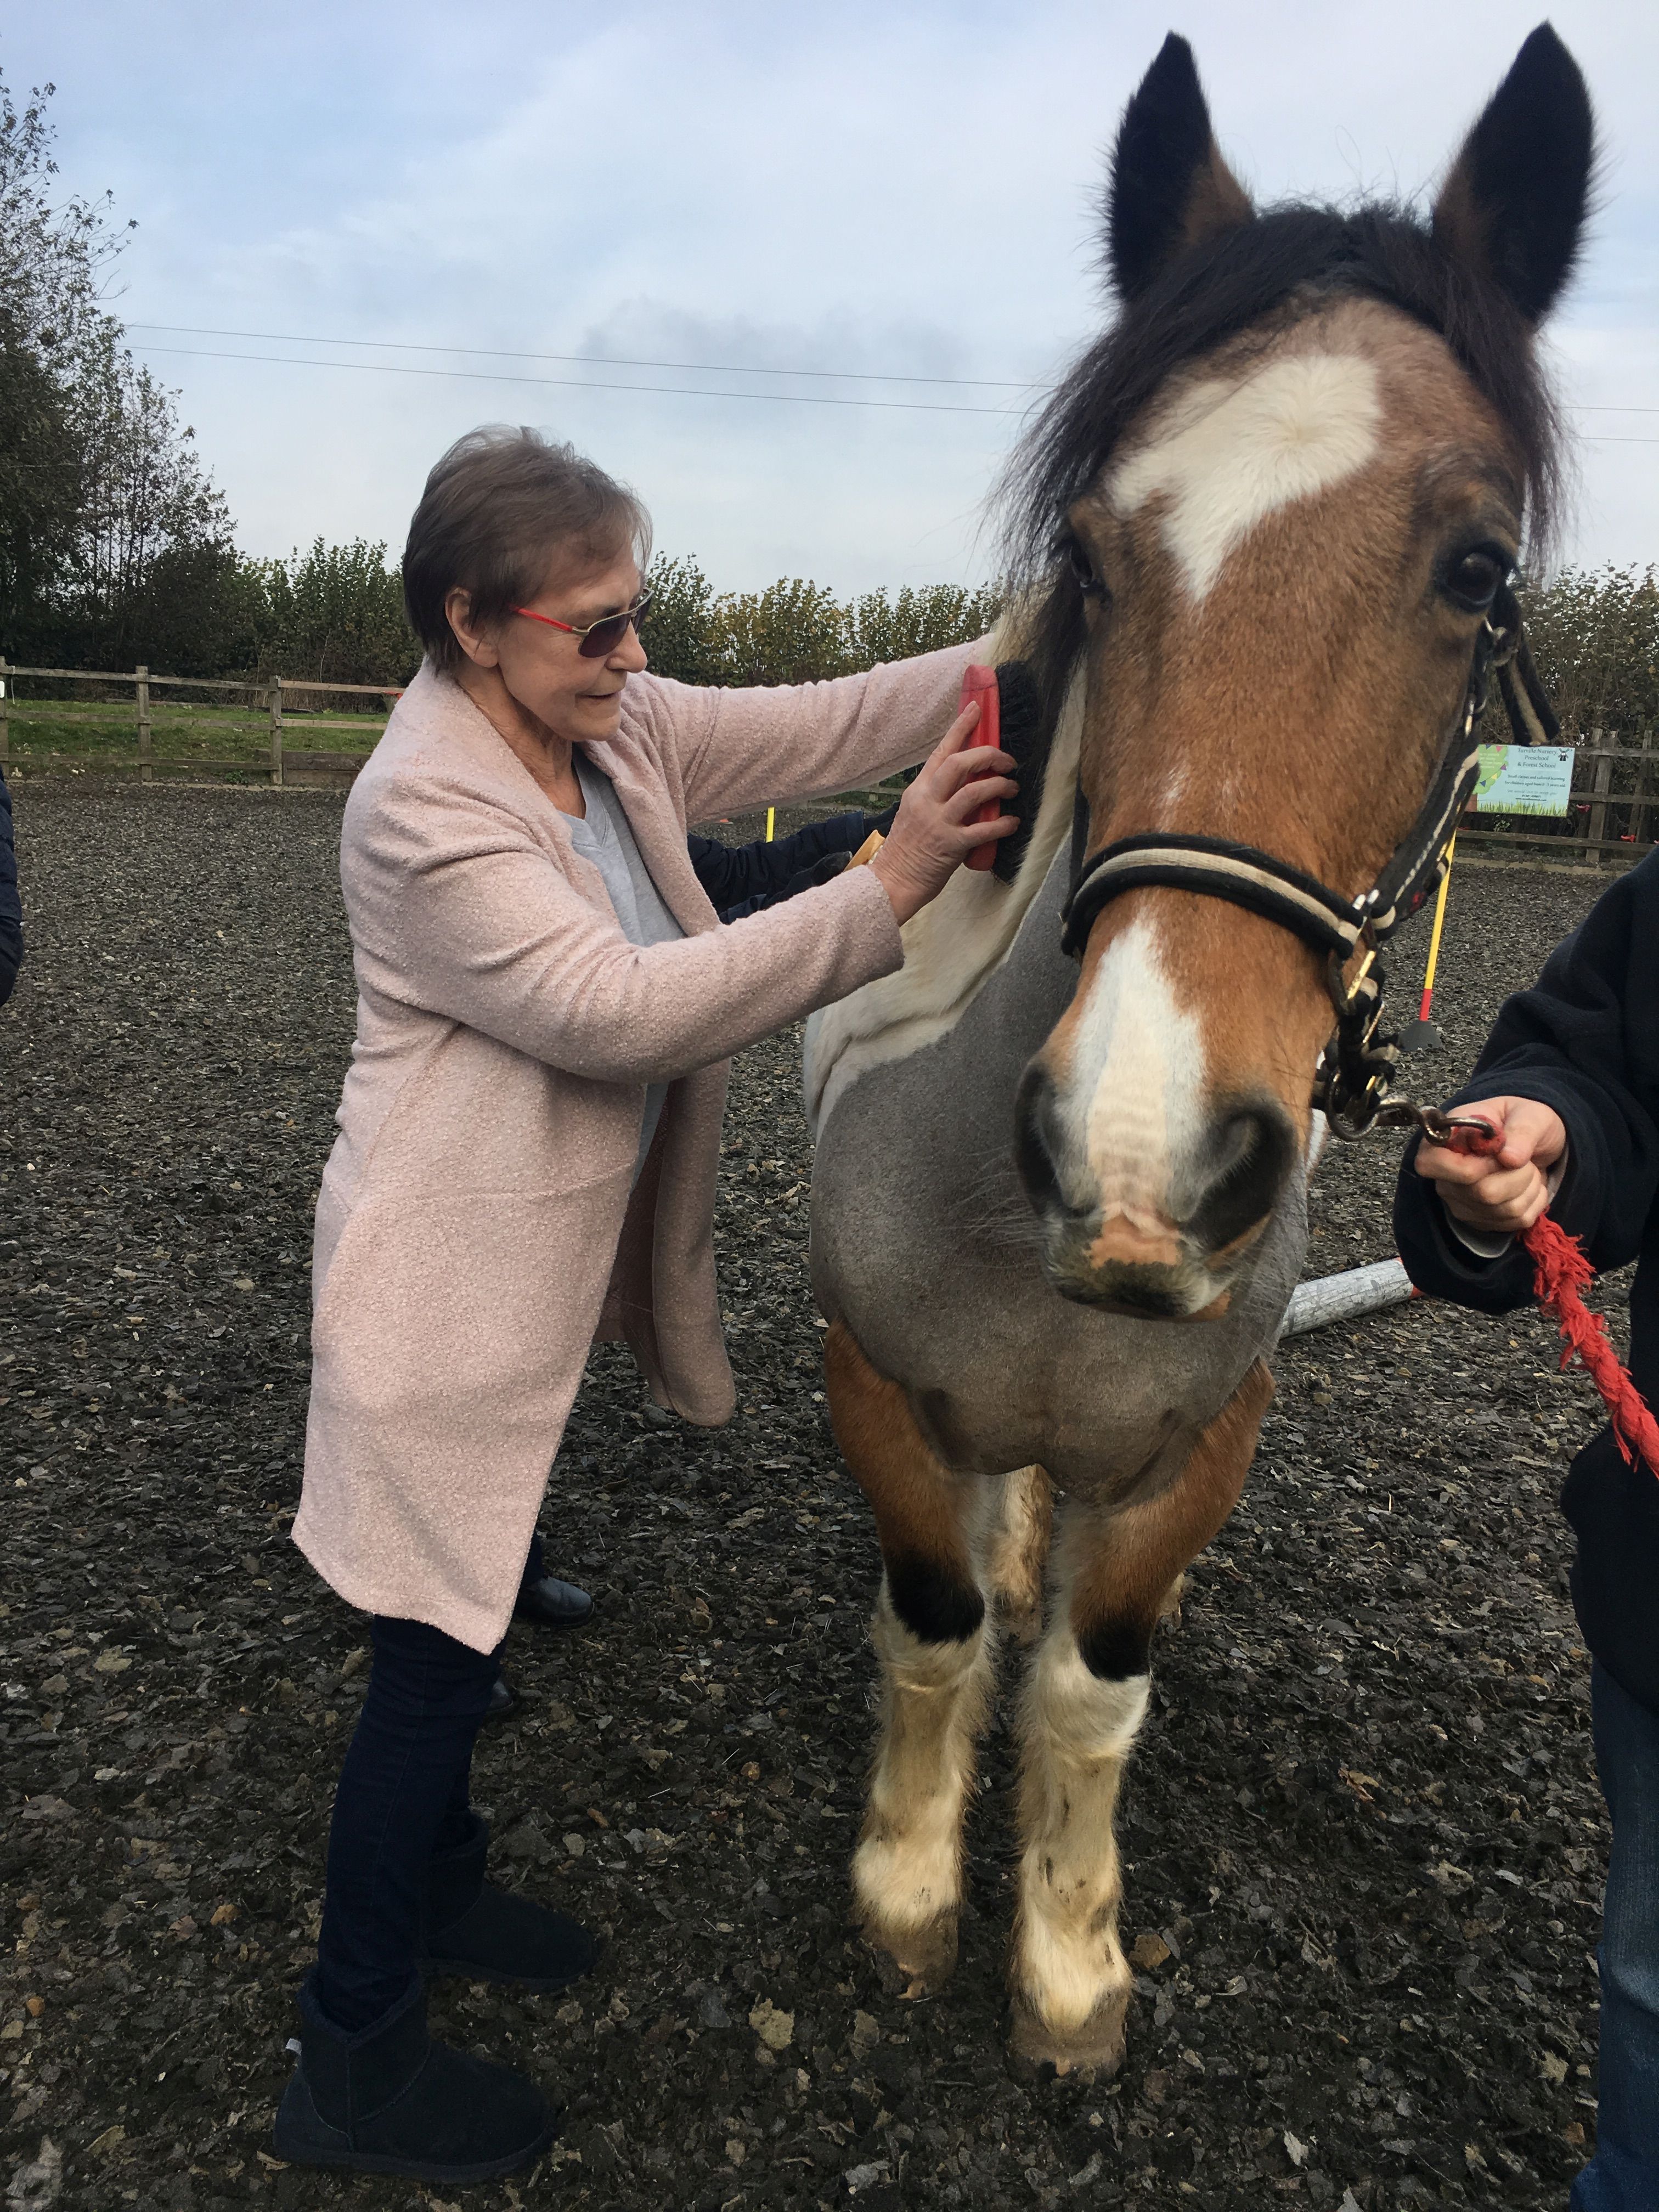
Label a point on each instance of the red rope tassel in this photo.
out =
(1560, 1272)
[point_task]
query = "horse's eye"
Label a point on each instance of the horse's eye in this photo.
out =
(1473, 578)
(1087, 582)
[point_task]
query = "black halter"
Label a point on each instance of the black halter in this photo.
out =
(1357, 1065)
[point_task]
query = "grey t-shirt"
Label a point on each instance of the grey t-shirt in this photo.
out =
(605, 838)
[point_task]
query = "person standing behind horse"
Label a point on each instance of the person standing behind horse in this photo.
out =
(529, 1137)
(1570, 1076)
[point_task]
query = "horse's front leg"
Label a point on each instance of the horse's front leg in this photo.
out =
(1085, 1703)
(931, 1638)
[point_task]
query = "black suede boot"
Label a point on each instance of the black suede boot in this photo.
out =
(490, 1935)
(504, 1700)
(391, 2100)
(550, 1603)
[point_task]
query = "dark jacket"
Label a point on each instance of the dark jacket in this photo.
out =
(741, 879)
(11, 906)
(1584, 1039)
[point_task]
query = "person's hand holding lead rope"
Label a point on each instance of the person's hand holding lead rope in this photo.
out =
(1503, 1192)
(1525, 1138)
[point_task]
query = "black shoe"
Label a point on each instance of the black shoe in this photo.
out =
(552, 1604)
(391, 2100)
(490, 1935)
(503, 1698)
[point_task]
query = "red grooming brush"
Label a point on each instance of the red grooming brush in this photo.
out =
(979, 684)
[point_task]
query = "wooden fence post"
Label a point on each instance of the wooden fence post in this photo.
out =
(5, 712)
(277, 733)
(145, 771)
(1638, 813)
(1601, 784)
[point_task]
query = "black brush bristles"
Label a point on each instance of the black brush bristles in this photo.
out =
(1026, 741)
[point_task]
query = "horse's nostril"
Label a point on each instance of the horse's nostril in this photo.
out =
(1034, 1144)
(1251, 1149)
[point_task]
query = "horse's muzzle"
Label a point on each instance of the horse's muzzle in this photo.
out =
(1176, 1257)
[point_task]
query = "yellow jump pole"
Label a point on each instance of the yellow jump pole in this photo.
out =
(1422, 1034)
(1434, 937)
(770, 811)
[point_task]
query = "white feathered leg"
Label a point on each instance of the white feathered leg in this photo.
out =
(1084, 1703)
(1070, 1980)
(907, 1872)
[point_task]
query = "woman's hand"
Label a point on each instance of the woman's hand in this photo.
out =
(931, 833)
(1503, 1192)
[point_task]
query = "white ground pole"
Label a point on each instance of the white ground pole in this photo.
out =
(1342, 1297)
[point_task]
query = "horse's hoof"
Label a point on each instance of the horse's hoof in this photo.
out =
(1092, 2052)
(913, 1962)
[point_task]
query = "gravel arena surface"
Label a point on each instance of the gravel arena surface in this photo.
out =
(1363, 1846)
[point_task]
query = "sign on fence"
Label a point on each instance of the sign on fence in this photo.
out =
(1524, 780)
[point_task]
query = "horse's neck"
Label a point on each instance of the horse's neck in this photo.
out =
(949, 948)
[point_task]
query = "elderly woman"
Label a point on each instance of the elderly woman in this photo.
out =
(529, 1135)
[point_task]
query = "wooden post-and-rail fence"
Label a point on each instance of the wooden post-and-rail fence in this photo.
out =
(272, 694)
(1615, 800)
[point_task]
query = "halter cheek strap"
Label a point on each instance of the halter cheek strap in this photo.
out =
(1356, 1066)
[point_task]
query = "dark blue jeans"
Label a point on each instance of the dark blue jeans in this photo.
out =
(1623, 2175)
(402, 1797)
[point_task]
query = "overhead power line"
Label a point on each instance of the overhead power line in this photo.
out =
(597, 360)
(688, 391)
(695, 368)
(586, 383)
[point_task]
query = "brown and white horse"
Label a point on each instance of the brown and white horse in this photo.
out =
(1058, 1210)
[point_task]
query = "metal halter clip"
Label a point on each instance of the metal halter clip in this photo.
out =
(1437, 1129)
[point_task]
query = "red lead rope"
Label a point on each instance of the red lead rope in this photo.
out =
(1560, 1272)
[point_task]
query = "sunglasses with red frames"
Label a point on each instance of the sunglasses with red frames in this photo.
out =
(599, 639)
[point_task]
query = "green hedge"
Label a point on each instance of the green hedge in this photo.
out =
(797, 632)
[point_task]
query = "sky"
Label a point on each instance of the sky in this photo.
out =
(895, 205)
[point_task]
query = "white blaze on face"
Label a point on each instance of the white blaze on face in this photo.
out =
(1134, 1092)
(1225, 456)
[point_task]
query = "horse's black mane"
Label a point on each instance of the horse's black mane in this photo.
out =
(1212, 294)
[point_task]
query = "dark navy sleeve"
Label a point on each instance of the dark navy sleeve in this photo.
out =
(740, 879)
(1585, 1041)
(718, 869)
(836, 833)
(11, 905)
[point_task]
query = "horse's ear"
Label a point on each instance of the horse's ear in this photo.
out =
(1513, 206)
(1169, 187)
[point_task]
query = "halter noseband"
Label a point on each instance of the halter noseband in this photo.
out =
(1357, 1065)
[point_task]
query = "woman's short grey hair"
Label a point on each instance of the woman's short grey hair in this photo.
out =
(505, 510)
